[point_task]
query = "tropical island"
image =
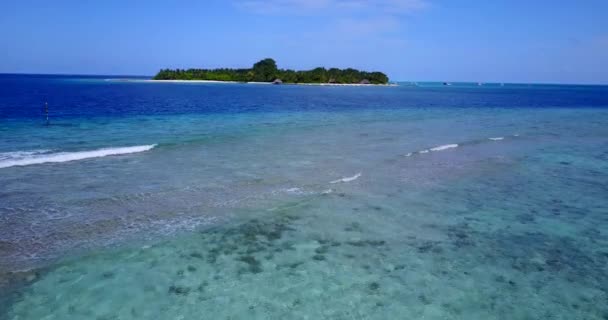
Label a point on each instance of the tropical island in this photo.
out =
(266, 71)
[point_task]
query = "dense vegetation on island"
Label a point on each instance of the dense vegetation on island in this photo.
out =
(266, 71)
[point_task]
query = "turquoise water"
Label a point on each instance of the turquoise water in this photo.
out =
(387, 212)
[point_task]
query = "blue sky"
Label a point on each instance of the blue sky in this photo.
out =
(445, 40)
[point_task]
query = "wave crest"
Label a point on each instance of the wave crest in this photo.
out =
(26, 158)
(444, 147)
(347, 179)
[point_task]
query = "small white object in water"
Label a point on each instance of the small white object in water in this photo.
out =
(293, 190)
(409, 154)
(497, 138)
(347, 179)
(423, 151)
(328, 191)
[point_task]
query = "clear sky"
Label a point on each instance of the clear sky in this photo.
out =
(445, 40)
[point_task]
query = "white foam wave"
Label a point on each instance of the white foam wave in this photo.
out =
(444, 147)
(26, 158)
(20, 154)
(347, 179)
(438, 148)
(497, 138)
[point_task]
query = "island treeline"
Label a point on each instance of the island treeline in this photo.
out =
(266, 71)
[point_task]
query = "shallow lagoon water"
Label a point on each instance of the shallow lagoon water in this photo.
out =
(234, 215)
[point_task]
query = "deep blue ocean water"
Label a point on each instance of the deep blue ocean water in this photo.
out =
(144, 200)
(23, 96)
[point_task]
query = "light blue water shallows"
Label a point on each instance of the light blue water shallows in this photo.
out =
(184, 201)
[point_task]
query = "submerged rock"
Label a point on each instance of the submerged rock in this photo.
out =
(179, 290)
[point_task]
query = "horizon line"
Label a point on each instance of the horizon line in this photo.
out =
(390, 80)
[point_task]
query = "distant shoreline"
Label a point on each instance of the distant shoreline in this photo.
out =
(254, 82)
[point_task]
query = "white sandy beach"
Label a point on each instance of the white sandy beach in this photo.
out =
(253, 82)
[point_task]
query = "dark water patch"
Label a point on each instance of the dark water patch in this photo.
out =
(424, 299)
(201, 287)
(365, 243)
(557, 253)
(287, 246)
(399, 267)
(318, 257)
(292, 266)
(536, 241)
(428, 246)
(322, 250)
(7, 247)
(329, 243)
(353, 227)
(374, 286)
(255, 236)
(461, 235)
(13, 286)
(179, 290)
(552, 256)
(253, 264)
(525, 218)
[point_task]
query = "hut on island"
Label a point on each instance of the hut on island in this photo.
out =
(277, 81)
(364, 81)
